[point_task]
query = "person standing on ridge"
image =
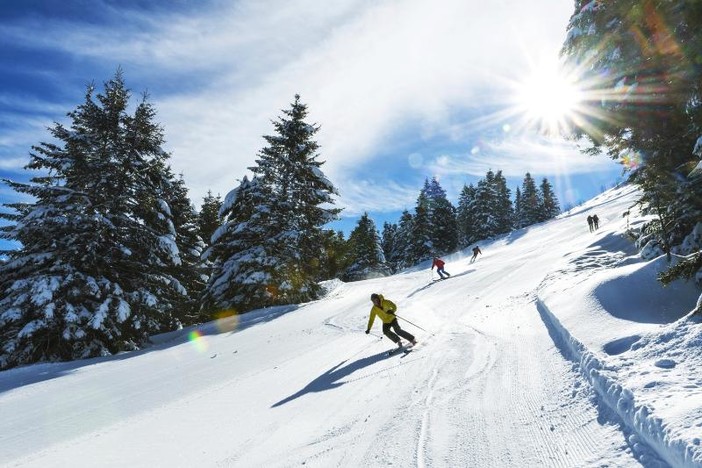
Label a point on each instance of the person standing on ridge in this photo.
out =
(590, 223)
(439, 264)
(596, 222)
(476, 251)
(385, 309)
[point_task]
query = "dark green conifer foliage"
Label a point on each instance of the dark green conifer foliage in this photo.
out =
(530, 202)
(550, 207)
(365, 252)
(650, 112)
(466, 216)
(442, 216)
(209, 219)
(271, 247)
(421, 247)
(94, 274)
(404, 240)
(390, 245)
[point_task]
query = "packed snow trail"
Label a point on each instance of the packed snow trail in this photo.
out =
(487, 385)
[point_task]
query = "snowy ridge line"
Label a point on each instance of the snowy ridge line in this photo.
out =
(639, 418)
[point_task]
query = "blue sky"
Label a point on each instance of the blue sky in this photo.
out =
(403, 90)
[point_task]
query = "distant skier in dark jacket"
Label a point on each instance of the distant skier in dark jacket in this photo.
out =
(596, 222)
(476, 251)
(439, 264)
(590, 223)
(385, 310)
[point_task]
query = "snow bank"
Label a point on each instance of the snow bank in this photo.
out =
(640, 418)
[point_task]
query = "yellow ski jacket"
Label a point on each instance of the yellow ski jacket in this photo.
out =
(383, 312)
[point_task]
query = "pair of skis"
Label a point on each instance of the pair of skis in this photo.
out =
(404, 348)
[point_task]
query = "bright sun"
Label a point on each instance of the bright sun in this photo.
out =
(549, 99)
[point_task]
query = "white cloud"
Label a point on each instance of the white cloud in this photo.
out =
(12, 164)
(516, 156)
(358, 196)
(369, 70)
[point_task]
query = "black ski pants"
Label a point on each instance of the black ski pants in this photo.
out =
(388, 331)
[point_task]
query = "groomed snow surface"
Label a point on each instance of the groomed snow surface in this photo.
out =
(557, 347)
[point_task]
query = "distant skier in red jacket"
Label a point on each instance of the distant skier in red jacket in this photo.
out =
(439, 264)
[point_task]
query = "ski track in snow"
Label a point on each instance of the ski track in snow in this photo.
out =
(488, 385)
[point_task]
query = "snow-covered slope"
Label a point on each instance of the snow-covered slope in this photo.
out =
(555, 348)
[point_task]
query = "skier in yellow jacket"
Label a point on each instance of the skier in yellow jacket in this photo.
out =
(385, 309)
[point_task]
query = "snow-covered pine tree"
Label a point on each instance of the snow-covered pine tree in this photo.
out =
(390, 245)
(421, 247)
(442, 217)
(504, 212)
(529, 203)
(93, 275)
(191, 272)
(465, 216)
(242, 256)
(301, 199)
(403, 240)
(550, 207)
(366, 252)
(208, 218)
(517, 219)
(270, 247)
(486, 207)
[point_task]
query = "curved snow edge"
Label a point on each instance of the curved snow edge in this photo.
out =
(639, 418)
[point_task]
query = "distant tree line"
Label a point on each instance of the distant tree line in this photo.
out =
(436, 227)
(112, 250)
(640, 61)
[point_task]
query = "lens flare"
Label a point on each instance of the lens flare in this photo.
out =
(198, 341)
(226, 320)
(631, 160)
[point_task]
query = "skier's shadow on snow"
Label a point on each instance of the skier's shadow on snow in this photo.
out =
(332, 378)
(436, 280)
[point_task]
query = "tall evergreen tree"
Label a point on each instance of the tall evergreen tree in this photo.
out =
(485, 207)
(244, 261)
(284, 227)
(404, 240)
(421, 247)
(191, 271)
(208, 219)
(466, 216)
(518, 219)
(504, 212)
(366, 252)
(94, 274)
(549, 201)
(530, 203)
(389, 242)
(442, 218)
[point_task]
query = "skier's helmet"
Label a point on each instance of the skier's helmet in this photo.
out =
(375, 298)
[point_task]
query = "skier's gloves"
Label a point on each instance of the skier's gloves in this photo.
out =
(391, 312)
(367, 332)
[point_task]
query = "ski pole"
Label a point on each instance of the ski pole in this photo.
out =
(411, 323)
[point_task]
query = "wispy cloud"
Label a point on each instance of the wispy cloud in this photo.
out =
(370, 71)
(358, 196)
(516, 156)
(12, 164)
